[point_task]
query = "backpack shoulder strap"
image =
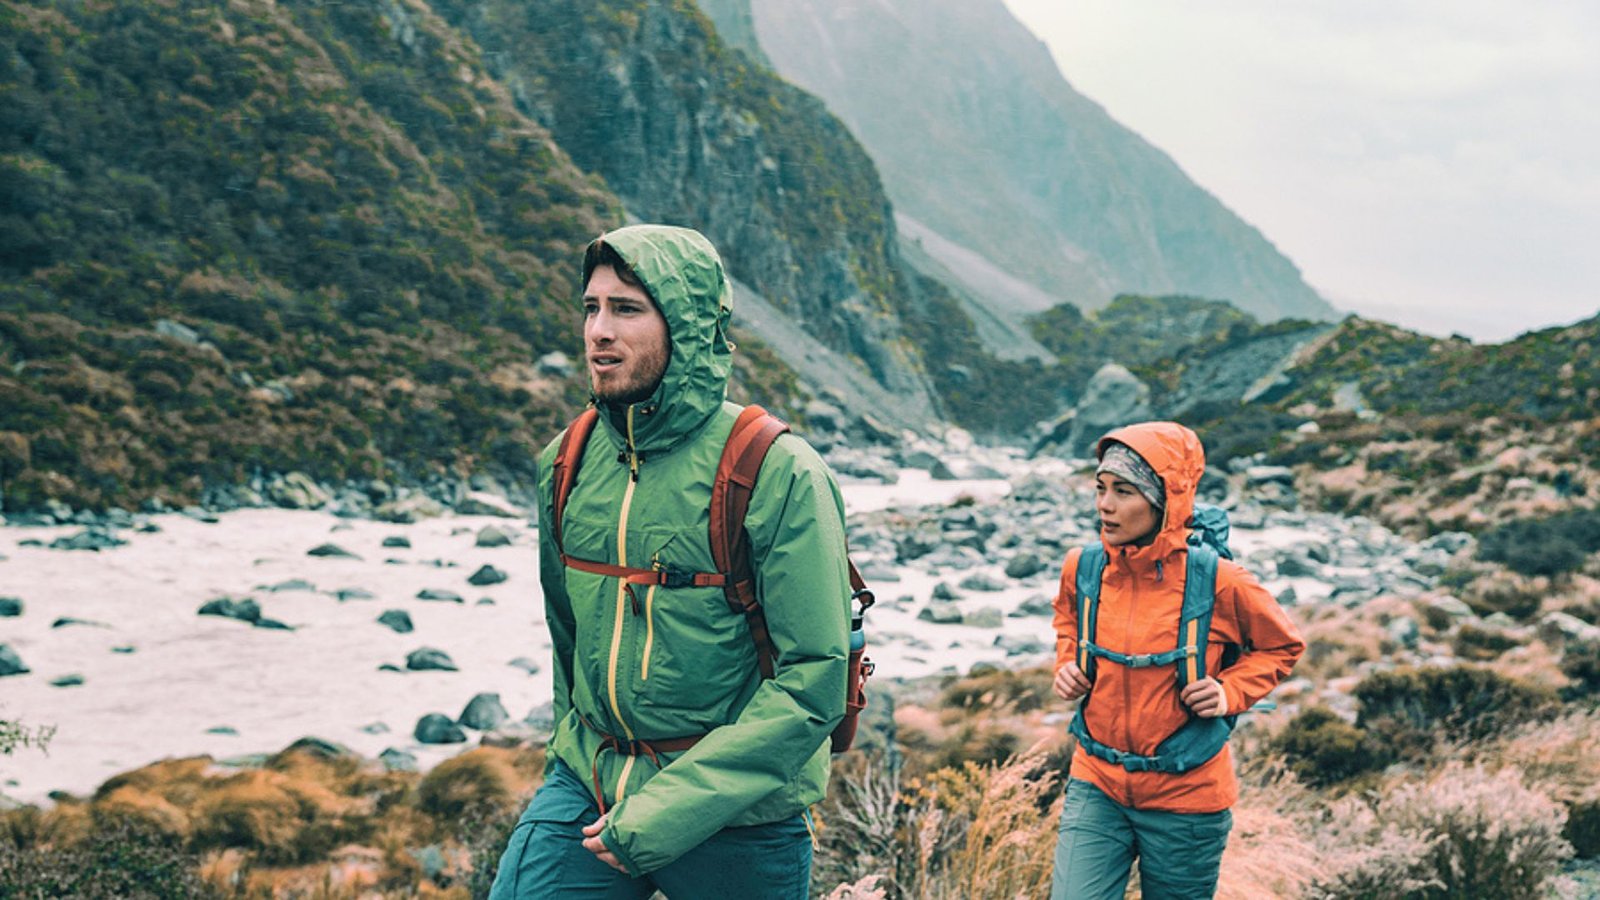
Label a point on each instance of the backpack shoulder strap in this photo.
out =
(569, 456)
(1091, 567)
(1199, 601)
(753, 435)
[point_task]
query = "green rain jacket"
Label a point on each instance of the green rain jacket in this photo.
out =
(680, 662)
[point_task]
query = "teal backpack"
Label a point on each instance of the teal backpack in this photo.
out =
(1199, 739)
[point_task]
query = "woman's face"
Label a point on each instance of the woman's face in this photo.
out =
(1126, 517)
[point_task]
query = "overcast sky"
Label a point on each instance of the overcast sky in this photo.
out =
(1434, 163)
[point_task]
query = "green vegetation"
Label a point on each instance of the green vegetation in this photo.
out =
(1410, 711)
(1549, 546)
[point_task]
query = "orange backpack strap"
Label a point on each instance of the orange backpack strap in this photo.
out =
(569, 456)
(752, 435)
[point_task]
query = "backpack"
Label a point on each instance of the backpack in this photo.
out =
(754, 432)
(1199, 739)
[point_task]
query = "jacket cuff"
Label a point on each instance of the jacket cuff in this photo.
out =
(608, 836)
(1234, 701)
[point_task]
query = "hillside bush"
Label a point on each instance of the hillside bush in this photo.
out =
(1411, 710)
(121, 858)
(1548, 546)
(1323, 749)
(1580, 661)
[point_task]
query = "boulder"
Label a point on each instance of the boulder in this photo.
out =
(1019, 645)
(978, 581)
(399, 760)
(398, 620)
(245, 610)
(1037, 605)
(10, 662)
(482, 503)
(1113, 397)
(331, 551)
(410, 509)
(1024, 565)
(439, 595)
(397, 540)
(1403, 630)
(1557, 628)
(555, 364)
(436, 728)
(988, 617)
(490, 536)
(487, 575)
(941, 612)
(943, 591)
(297, 490)
(10, 607)
(94, 538)
(484, 712)
(542, 718)
(426, 659)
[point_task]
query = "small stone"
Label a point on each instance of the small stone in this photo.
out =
(397, 619)
(397, 540)
(1024, 565)
(375, 728)
(331, 551)
(398, 760)
(943, 591)
(10, 607)
(293, 584)
(429, 659)
(525, 664)
(65, 621)
(344, 594)
(988, 617)
(940, 612)
(490, 536)
(272, 624)
(124, 649)
(487, 575)
(72, 680)
(10, 662)
(227, 730)
(436, 728)
(440, 595)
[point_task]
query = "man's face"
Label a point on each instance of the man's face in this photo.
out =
(624, 338)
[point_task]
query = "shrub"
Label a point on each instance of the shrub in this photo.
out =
(475, 778)
(121, 857)
(1583, 828)
(1480, 644)
(1410, 710)
(1493, 836)
(1580, 661)
(1323, 749)
(1365, 857)
(1548, 546)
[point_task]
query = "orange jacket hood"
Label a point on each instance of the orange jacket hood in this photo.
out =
(1175, 453)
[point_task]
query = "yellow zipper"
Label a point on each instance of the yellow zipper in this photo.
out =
(622, 595)
(649, 633)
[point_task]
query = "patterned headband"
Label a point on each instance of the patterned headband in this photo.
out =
(1121, 460)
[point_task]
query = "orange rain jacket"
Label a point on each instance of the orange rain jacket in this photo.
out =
(1141, 598)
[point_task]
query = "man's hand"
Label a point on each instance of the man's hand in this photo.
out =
(1205, 698)
(593, 844)
(1069, 683)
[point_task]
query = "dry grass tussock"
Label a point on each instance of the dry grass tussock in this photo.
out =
(970, 831)
(307, 823)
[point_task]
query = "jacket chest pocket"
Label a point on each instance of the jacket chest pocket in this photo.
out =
(692, 647)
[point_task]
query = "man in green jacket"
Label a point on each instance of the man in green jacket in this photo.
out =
(674, 765)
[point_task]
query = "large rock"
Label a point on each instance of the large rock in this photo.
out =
(409, 509)
(10, 607)
(436, 728)
(1113, 397)
(486, 575)
(397, 619)
(10, 662)
(426, 659)
(95, 537)
(484, 712)
(245, 610)
(1024, 565)
(482, 503)
(297, 490)
(490, 536)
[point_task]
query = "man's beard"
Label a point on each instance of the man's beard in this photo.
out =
(644, 378)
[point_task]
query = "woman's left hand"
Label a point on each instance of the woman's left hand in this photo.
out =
(1205, 698)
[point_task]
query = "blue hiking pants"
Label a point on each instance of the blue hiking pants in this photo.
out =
(1179, 853)
(545, 858)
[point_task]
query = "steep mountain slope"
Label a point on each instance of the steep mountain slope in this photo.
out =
(981, 142)
(685, 130)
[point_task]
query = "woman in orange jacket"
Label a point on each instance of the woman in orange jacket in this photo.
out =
(1137, 787)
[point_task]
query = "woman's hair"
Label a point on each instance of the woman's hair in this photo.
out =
(599, 253)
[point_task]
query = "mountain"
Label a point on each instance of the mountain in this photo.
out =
(1000, 170)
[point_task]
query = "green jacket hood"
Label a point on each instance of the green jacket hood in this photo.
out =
(684, 275)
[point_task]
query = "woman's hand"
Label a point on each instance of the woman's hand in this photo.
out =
(1069, 683)
(1205, 698)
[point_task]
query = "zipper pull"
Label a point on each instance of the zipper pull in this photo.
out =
(633, 599)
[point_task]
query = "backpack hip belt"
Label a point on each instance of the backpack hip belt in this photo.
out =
(635, 747)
